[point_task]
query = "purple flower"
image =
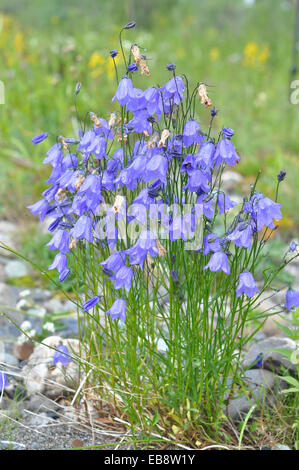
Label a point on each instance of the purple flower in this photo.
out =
(54, 156)
(293, 246)
(225, 152)
(225, 203)
(140, 121)
(123, 278)
(242, 234)
(188, 164)
(156, 167)
(39, 138)
(263, 210)
(246, 285)
(173, 91)
(292, 299)
(59, 263)
(205, 156)
(197, 181)
(124, 92)
(214, 112)
(118, 310)
(60, 241)
(114, 262)
(218, 262)
(62, 355)
(89, 304)
(154, 101)
(211, 243)
(3, 381)
(258, 362)
(191, 133)
(83, 229)
(40, 208)
(145, 244)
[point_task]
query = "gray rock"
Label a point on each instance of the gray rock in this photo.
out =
(56, 305)
(40, 375)
(272, 360)
(15, 269)
(230, 179)
(263, 386)
(9, 299)
(39, 420)
(280, 447)
(7, 236)
(39, 403)
(10, 360)
(3, 275)
(11, 445)
(40, 295)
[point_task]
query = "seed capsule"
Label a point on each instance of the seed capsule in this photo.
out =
(202, 91)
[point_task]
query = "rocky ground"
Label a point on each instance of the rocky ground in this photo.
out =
(33, 412)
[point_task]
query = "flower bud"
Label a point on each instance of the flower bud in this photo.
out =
(171, 66)
(281, 176)
(130, 25)
(113, 53)
(78, 88)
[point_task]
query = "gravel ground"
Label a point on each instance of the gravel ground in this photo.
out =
(56, 435)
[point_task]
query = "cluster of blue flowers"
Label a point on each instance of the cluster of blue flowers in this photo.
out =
(154, 152)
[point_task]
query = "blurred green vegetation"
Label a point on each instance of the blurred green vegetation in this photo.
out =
(243, 52)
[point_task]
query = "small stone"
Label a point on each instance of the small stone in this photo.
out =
(39, 312)
(3, 275)
(40, 295)
(8, 299)
(230, 179)
(272, 360)
(15, 269)
(77, 443)
(41, 376)
(261, 385)
(23, 351)
(7, 236)
(281, 447)
(10, 445)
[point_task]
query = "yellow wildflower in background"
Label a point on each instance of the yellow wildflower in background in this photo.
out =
(19, 42)
(5, 23)
(255, 56)
(214, 54)
(95, 59)
(180, 53)
(97, 72)
(264, 54)
(110, 66)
